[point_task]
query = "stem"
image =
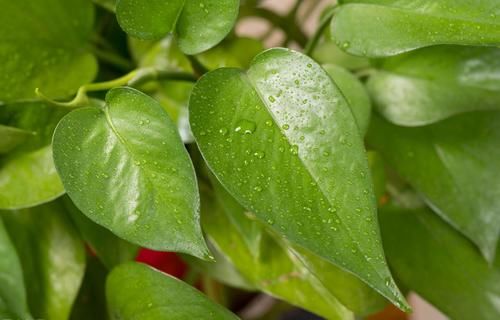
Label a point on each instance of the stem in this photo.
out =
(313, 42)
(81, 99)
(134, 78)
(198, 68)
(150, 74)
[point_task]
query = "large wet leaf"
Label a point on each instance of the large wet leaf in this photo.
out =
(427, 85)
(454, 165)
(279, 268)
(198, 25)
(110, 249)
(134, 290)
(387, 27)
(125, 167)
(442, 266)
(52, 257)
(43, 45)
(27, 174)
(285, 144)
(13, 303)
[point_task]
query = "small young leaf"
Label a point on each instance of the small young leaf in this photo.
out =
(431, 84)
(27, 174)
(284, 143)
(46, 49)
(454, 164)
(52, 257)
(109, 248)
(13, 303)
(125, 167)
(378, 28)
(434, 260)
(198, 25)
(134, 291)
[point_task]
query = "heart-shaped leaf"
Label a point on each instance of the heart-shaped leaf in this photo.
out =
(279, 268)
(199, 25)
(134, 290)
(285, 144)
(52, 257)
(109, 248)
(46, 49)
(27, 174)
(454, 165)
(378, 28)
(434, 260)
(12, 290)
(125, 167)
(427, 85)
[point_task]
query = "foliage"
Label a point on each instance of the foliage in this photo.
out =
(308, 174)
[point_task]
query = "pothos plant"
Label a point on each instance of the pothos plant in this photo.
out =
(151, 124)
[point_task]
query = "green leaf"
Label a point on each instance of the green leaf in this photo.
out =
(134, 290)
(280, 269)
(431, 84)
(199, 25)
(378, 28)
(108, 247)
(327, 52)
(12, 137)
(27, 174)
(43, 45)
(125, 167)
(13, 303)
(284, 143)
(355, 94)
(454, 165)
(52, 257)
(434, 260)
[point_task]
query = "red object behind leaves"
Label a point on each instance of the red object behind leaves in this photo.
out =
(167, 262)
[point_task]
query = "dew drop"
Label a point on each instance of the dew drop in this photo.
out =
(245, 127)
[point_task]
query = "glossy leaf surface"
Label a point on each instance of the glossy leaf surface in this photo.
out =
(135, 290)
(43, 45)
(13, 303)
(199, 25)
(378, 28)
(281, 269)
(110, 249)
(355, 94)
(454, 165)
(52, 257)
(441, 265)
(125, 167)
(279, 139)
(431, 84)
(27, 174)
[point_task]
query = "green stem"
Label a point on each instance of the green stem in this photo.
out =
(198, 68)
(150, 74)
(134, 78)
(324, 23)
(81, 98)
